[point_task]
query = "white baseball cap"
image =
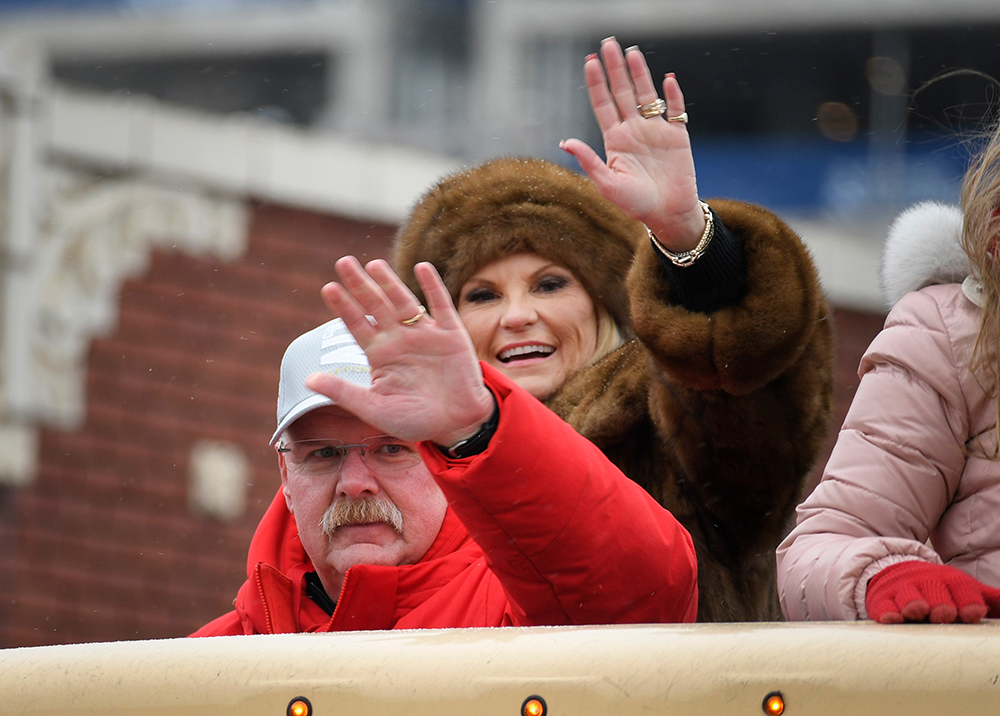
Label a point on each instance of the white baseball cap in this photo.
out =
(328, 348)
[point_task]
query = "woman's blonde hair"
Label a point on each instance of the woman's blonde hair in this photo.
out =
(981, 242)
(609, 336)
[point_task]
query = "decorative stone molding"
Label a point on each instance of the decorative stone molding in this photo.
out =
(94, 234)
(18, 454)
(90, 184)
(219, 475)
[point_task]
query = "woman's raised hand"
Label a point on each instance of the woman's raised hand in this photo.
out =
(649, 172)
(426, 379)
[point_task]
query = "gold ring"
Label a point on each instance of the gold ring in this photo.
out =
(682, 118)
(653, 109)
(421, 312)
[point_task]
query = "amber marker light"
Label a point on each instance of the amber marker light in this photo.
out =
(534, 706)
(299, 706)
(774, 704)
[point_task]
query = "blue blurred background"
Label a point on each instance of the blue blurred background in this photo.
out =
(817, 114)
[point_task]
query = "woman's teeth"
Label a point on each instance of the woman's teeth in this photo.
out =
(524, 352)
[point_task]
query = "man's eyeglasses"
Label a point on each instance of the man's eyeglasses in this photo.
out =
(326, 456)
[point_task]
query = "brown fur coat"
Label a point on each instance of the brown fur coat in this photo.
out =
(719, 416)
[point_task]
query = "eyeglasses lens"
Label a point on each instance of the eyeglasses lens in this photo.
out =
(326, 457)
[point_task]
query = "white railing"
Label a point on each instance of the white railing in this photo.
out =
(717, 669)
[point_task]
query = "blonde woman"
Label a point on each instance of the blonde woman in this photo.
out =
(705, 376)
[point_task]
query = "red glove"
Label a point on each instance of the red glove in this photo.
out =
(913, 591)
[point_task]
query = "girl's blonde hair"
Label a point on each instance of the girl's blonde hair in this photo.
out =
(981, 242)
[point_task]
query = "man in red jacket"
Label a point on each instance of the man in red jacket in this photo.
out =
(425, 490)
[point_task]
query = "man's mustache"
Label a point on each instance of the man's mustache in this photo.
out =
(363, 511)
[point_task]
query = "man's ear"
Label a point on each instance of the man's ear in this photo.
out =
(284, 482)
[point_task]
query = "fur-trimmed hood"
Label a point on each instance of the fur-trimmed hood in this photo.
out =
(923, 248)
(519, 205)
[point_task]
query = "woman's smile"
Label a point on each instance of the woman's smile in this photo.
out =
(524, 353)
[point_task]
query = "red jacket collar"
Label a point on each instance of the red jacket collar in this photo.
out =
(273, 600)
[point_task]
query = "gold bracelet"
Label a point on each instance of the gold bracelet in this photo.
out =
(686, 258)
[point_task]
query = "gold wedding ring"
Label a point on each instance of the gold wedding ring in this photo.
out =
(682, 118)
(421, 312)
(653, 109)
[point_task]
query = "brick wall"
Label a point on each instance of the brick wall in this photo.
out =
(103, 546)
(853, 331)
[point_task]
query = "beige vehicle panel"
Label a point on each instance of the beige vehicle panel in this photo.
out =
(819, 668)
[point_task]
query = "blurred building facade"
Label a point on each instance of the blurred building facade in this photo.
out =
(176, 180)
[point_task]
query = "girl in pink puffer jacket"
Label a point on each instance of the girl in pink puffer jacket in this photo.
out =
(905, 524)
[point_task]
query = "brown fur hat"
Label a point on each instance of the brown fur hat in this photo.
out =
(513, 205)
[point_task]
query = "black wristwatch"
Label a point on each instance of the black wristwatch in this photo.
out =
(478, 442)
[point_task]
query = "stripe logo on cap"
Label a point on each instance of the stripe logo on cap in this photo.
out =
(339, 346)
